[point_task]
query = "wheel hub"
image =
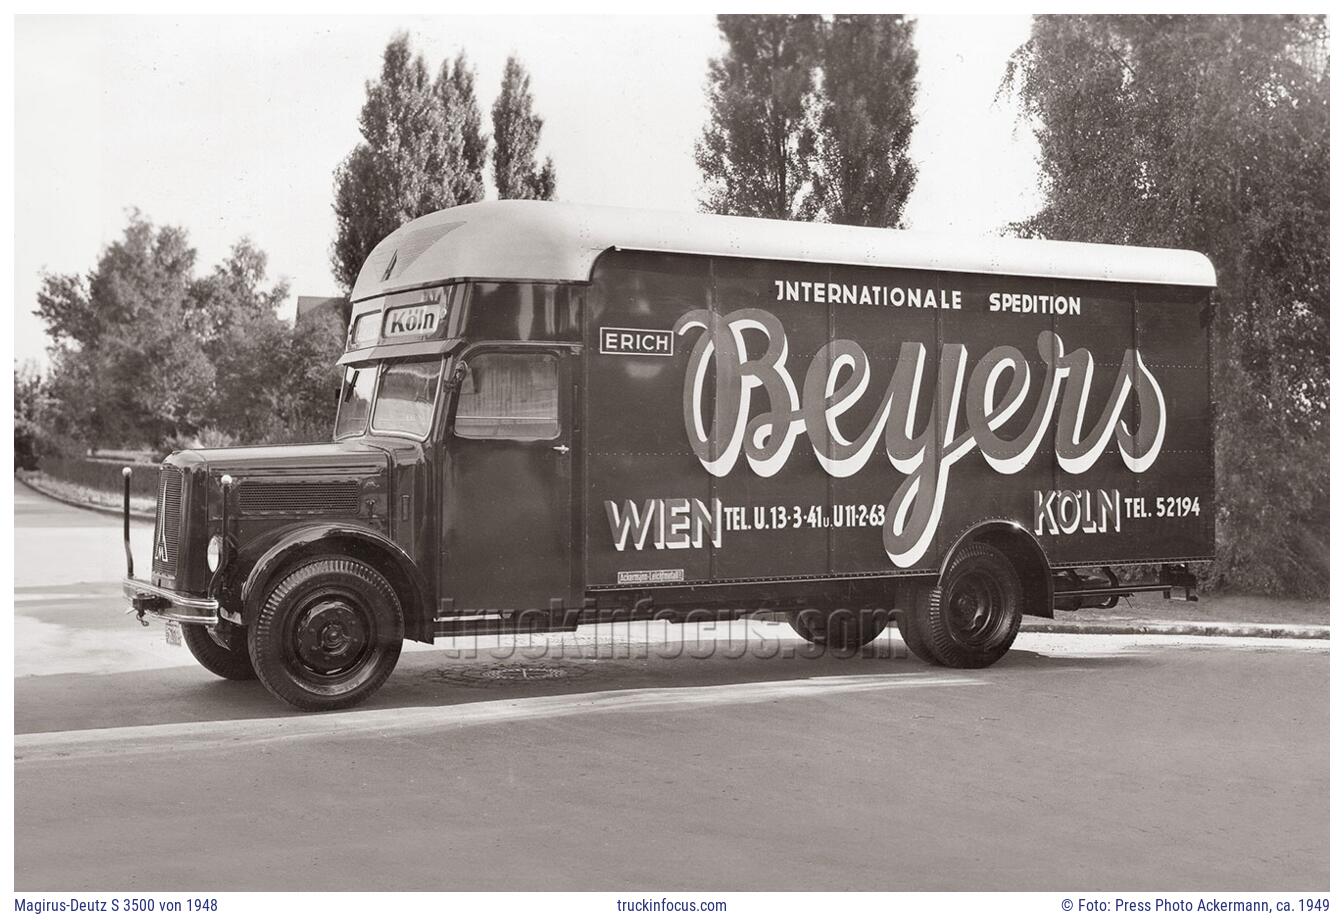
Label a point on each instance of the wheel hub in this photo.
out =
(975, 603)
(331, 636)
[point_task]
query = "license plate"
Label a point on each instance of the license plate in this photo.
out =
(172, 631)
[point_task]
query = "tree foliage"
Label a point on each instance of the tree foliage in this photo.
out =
(517, 133)
(274, 381)
(145, 352)
(456, 90)
(811, 119)
(32, 408)
(233, 295)
(1212, 133)
(413, 158)
(862, 173)
(755, 154)
(123, 361)
(148, 265)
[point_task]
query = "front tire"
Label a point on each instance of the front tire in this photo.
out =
(328, 635)
(972, 617)
(230, 663)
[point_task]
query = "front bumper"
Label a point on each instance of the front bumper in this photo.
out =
(152, 601)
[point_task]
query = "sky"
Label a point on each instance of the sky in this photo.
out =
(233, 126)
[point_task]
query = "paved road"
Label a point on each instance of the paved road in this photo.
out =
(649, 762)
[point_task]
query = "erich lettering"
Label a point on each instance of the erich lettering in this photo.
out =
(617, 340)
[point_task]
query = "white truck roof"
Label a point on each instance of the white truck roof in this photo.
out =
(550, 241)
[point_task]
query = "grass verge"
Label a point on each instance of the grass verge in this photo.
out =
(81, 494)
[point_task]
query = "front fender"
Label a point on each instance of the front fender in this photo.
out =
(260, 561)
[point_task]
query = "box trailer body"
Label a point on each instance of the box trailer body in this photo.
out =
(555, 414)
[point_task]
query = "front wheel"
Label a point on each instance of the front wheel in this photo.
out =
(231, 662)
(971, 618)
(328, 635)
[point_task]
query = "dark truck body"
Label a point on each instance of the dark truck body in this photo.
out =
(782, 516)
(794, 417)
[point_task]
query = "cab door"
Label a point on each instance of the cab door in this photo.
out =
(508, 491)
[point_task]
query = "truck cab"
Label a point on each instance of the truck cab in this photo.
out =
(445, 453)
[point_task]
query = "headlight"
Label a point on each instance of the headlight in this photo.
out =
(214, 551)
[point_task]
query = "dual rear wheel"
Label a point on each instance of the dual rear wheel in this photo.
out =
(968, 620)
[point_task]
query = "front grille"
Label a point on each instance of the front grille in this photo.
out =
(168, 527)
(298, 497)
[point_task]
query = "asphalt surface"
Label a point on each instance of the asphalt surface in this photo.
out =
(724, 758)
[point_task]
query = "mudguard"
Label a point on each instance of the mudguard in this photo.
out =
(1023, 549)
(257, 563)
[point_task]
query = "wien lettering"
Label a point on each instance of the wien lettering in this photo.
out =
(839, 375)
(666, 523)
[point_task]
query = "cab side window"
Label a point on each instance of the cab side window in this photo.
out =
(509, 396)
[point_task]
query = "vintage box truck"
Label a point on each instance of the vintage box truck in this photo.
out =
(553, 415)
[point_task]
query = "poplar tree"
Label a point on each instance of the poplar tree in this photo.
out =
(755, 152)
(455, 89)
(517, 132)
(862, 173)
(410, 161)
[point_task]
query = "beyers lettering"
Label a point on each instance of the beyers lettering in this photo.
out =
(839, 375)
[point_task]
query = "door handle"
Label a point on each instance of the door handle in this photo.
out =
(561, 448)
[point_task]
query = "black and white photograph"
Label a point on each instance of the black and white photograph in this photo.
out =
(698, 460)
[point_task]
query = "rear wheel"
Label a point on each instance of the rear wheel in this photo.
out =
(328, 634)
(971, 618)
(911, 636)
(231, 662)
(844, 629)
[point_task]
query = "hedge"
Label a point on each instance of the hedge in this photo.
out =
(103, 475)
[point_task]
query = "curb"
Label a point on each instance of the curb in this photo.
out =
(1235, 630)
(87, 506)
(1157, 628)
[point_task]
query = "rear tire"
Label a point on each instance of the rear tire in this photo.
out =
(229, 663)
(913, 639)
(844, 630)
(328, 635)
(972, 617)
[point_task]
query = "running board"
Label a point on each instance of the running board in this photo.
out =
(499, 624)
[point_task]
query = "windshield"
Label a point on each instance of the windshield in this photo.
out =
(352, 414)
(406, 397)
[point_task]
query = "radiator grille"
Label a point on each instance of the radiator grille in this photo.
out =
(298, 498)
(168, 526)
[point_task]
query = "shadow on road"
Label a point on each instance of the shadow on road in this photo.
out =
(553, 665)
